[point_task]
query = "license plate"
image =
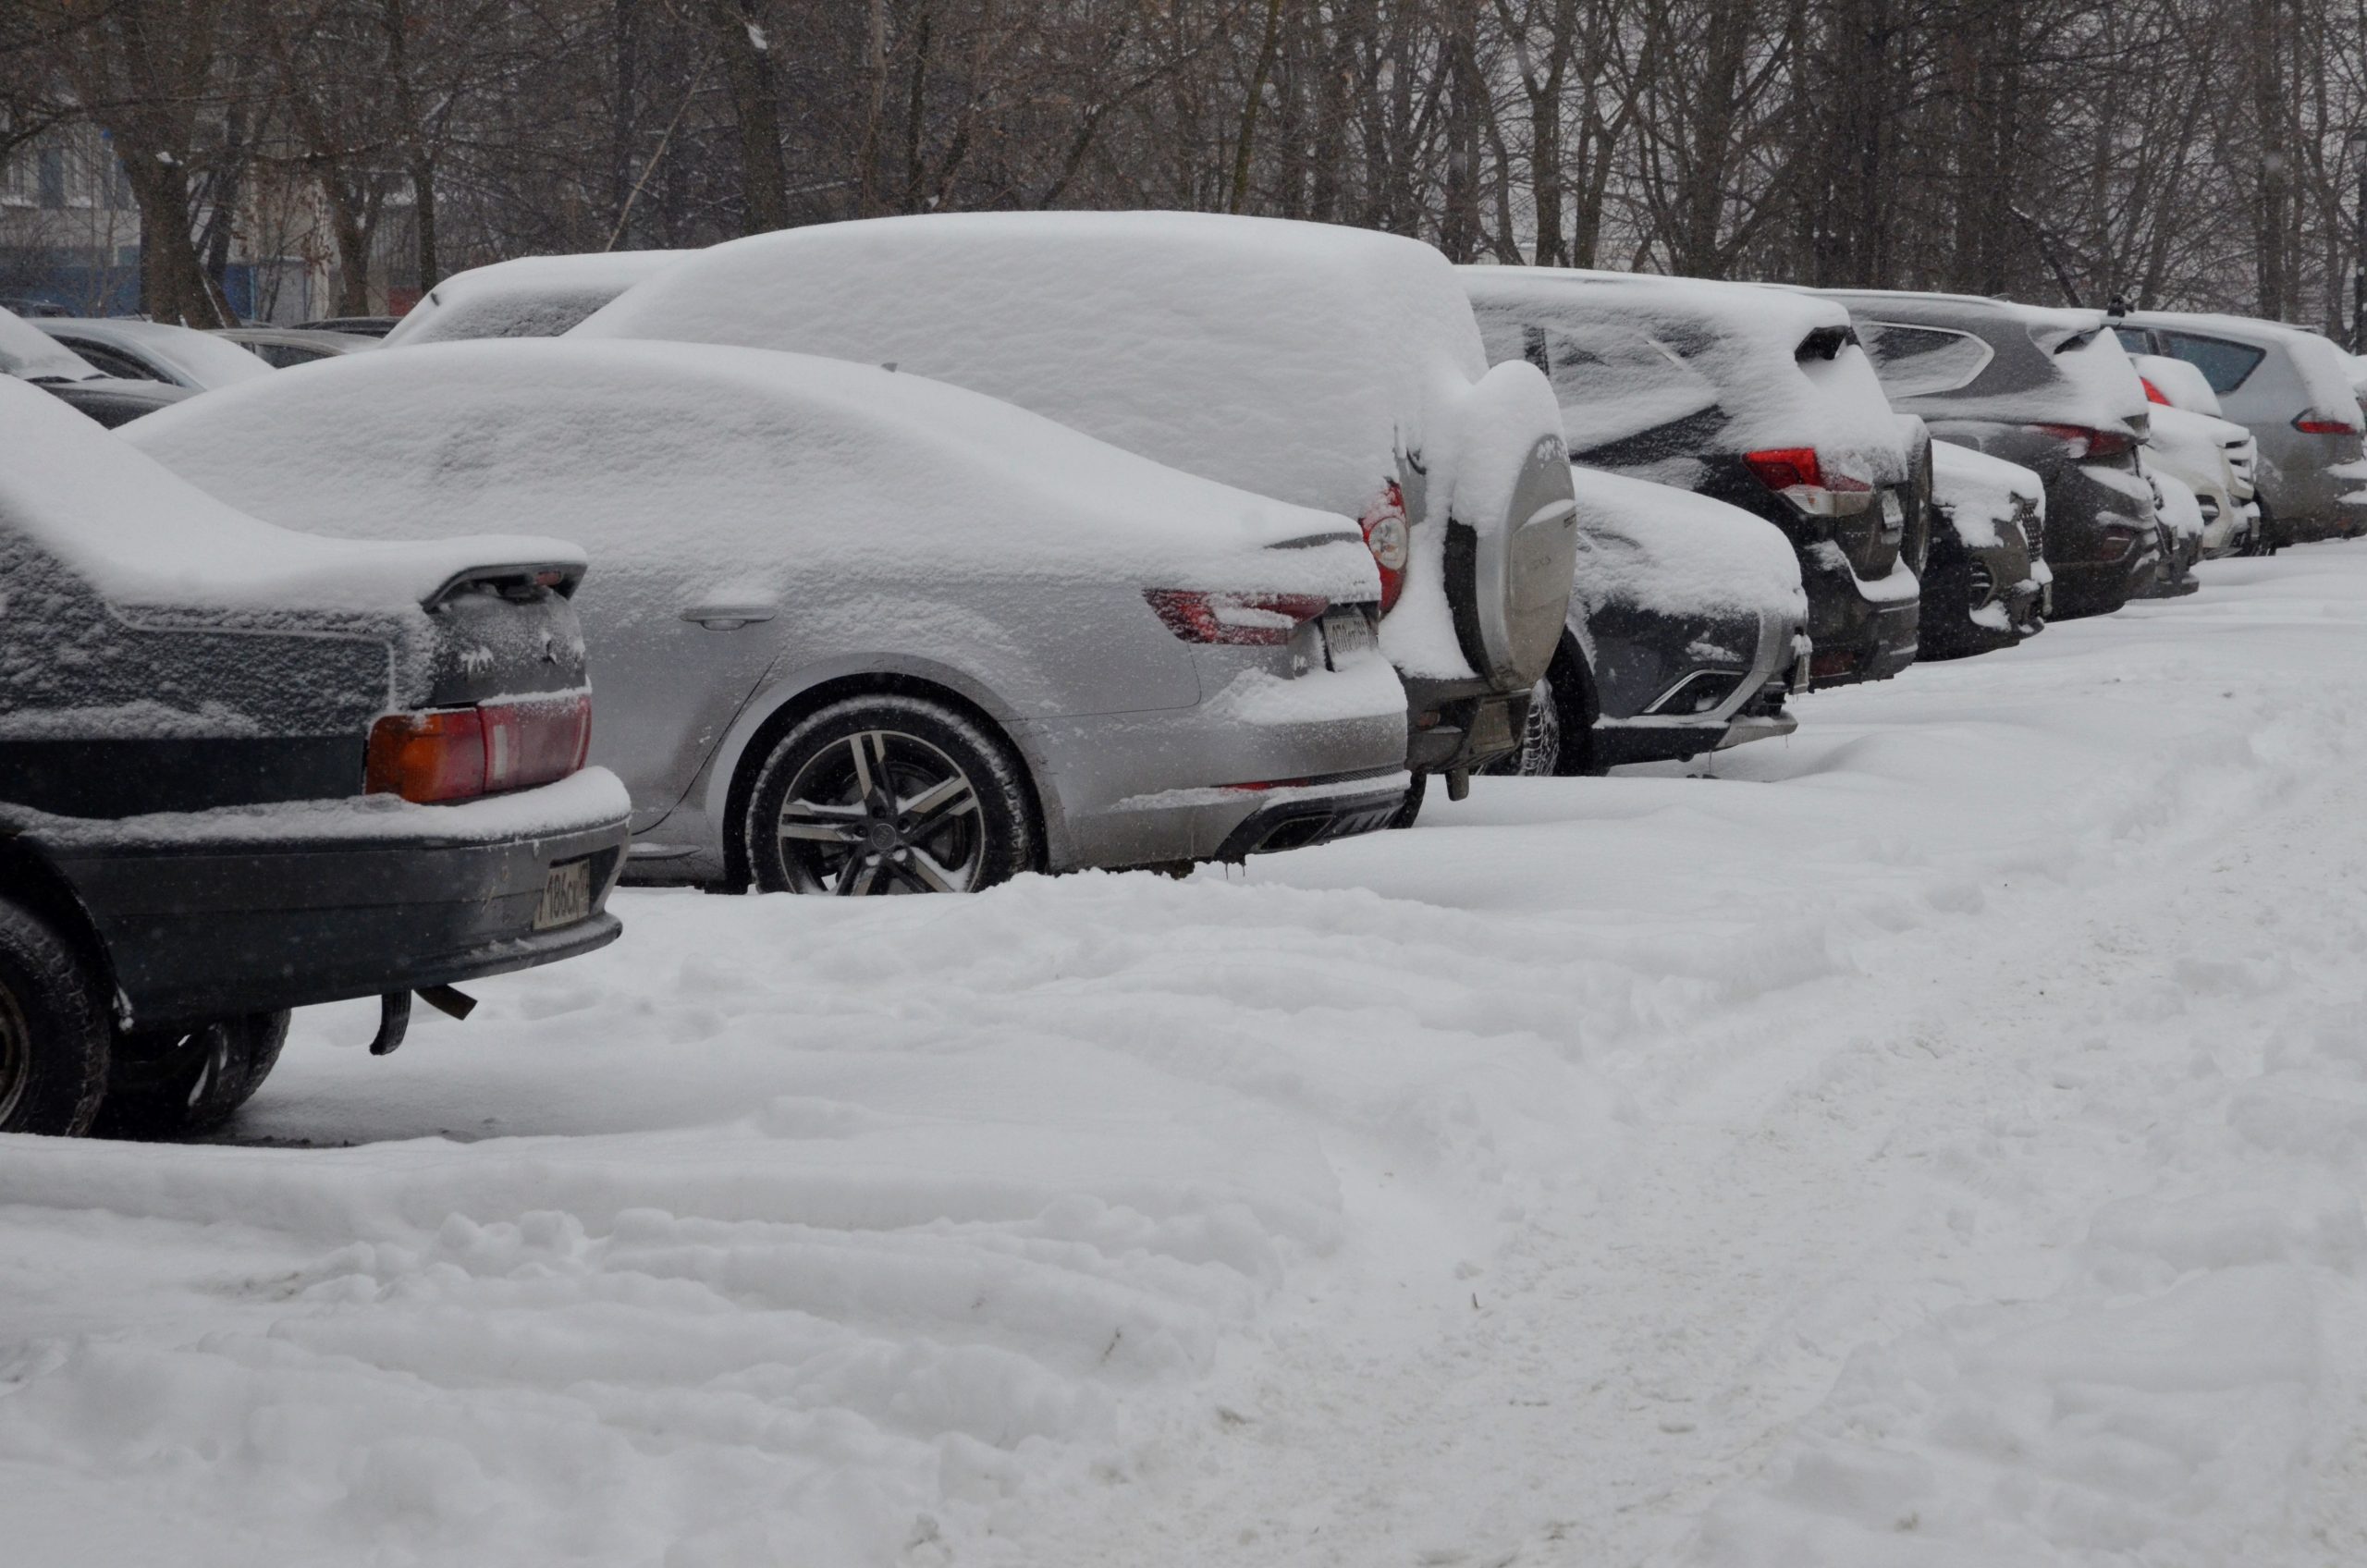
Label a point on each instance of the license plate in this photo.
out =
(567, 895)
(1347, 632)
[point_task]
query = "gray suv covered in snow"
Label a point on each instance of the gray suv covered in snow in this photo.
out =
(244, 770)
(2291, 388)
(2049, 389)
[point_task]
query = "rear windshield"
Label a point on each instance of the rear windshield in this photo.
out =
(1917, 362)
(29, 352)
(2224, 364)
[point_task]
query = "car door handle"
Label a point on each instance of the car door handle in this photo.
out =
(729, 618)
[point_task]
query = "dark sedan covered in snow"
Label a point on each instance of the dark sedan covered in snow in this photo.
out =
(244, 770)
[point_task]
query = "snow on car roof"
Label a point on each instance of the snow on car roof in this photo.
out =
(527, 297)
(1291, 359)
(206, 359)
(29, 352)
(1659, 547)
(140, 535)
(1629, 352)
(675, 456)
(2326, 371)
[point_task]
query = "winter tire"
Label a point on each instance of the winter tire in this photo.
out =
(1412, 810)
(181, 1083)
(53, 1030)
(889, 794)
(1541, 739)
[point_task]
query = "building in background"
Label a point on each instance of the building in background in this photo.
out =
(70, 236)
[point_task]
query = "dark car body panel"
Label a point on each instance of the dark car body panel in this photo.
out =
(200, 932)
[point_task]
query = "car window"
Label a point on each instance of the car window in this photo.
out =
(29, 352)
(1916, 362)
(2133, 338)
(2224, 364)
(111, 360)
(280, 356)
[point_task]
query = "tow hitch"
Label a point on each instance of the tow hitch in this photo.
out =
(394, 1013)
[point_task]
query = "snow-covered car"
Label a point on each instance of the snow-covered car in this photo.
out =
(1987, 584)
(2048, 389)
(283, 347)
(2292, 389)
(860, 631)
(31, 355)
(244, 770)
(2214, 455)
(1757, 398)
(1332, 367)
(1687, 630)
(155, 350)
(529, 296)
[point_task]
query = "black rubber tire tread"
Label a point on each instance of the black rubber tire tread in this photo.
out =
(1003, 800)
(1411, 811)
(1575, 701)
(199, 1085)
(66, 1022)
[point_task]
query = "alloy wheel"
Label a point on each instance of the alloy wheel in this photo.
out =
(882, 812)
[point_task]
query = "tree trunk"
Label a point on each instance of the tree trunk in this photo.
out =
(756, 111)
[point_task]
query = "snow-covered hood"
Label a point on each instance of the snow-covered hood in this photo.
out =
(1669, 551)
(734, 462)
(1631, 352)
(1979, 494)
(532, 297)
(141, 535)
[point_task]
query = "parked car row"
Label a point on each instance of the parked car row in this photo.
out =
(910, 555)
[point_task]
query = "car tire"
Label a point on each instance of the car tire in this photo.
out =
(889, 794)
(182, 1082)
(53, 1030)
(1411, 811)
(1541, 740)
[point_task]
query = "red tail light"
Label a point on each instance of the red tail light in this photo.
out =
(1797, 474)
(2086, 443)
(1254, 619)
(1391, 539)
(2154, 393)
(2309, 424)
(459, 754)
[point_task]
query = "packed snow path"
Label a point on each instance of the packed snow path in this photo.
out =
(1934, 1142)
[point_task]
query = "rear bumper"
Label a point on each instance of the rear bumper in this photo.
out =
(204, 929)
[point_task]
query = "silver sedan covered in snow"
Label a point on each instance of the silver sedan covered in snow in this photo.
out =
(860, 631)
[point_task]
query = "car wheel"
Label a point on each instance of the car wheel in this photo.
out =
(1541, 740)
(889, 794)
(1409, 812)
(53, 1031)
(179, 1083)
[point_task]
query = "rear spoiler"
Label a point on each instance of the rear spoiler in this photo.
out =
(523, 582)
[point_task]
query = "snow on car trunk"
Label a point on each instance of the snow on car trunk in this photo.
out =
(1935, 1140)
(1669, 551)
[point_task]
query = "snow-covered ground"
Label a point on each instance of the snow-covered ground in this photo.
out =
(1934, 1142)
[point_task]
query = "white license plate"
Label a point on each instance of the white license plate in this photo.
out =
(567, 895)
(1347, 632)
